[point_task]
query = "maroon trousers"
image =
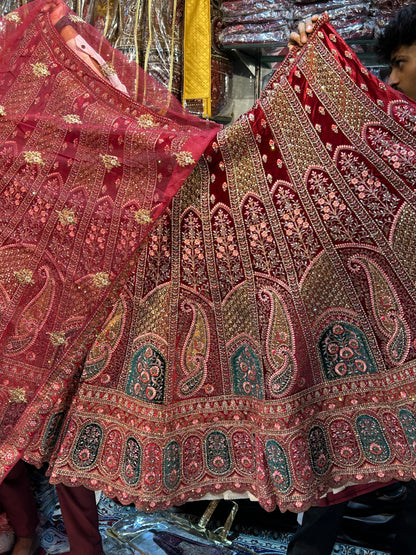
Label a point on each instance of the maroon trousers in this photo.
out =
(78, 507)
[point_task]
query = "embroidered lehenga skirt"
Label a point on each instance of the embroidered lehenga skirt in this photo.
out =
(260, 339)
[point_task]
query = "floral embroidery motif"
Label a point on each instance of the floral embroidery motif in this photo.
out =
(372, 438)
(66, 217)
(72, 118)
(107, 69)
(146, 121)
(147, 375)
(132, 461)
(296, 226)
(400, 157)
(262, 245)
(33, 157)
(110, 161)
(318, 445)
(193, 255)
(143, 216)
(172, 465)
(218, 452)
(333, 209)
(87, 446)
(184, 158)
(17, 395)
(13, 16)
(278, 464)
(57, 338)
(40, 69)
(101, 279)
(226, 250)
(247, 372)
(345, 352)
(370, 188)
(24, 276)
(2, 111)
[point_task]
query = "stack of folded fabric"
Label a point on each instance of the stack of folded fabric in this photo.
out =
(384, 10)
(250, 22)
(352, 19)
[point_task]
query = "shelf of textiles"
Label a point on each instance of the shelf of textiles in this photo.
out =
(260, 29)
(254, 22)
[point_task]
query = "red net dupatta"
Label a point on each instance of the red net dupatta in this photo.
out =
(85, 170)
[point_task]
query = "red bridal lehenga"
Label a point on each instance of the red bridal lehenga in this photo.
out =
(261, 338)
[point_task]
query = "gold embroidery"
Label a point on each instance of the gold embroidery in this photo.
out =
(76, 19)
(40, 69)
(72, 118)
(142, 216)
(146, 121)
(107, 69)
(13, 16)
(184, 158)
(2, 111)
(33, 157)
(66, 216)
(57, 338)
(109, 161)
(17, 395)
(101, 279)
(24, 276)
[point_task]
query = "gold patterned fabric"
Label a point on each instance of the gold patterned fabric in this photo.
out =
(197, 53)
(264, 341)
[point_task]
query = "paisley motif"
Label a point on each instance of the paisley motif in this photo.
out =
(386, 308)
(398, 439)
(195, 352)
(279, 343)
(52, 431)
(100, 353)
(33, 316)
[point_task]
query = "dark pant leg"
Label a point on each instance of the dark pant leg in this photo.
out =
(79, 512)
(18, 502)
(318, 532)
(405, 542)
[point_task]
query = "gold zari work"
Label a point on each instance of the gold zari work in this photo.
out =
(261, 339)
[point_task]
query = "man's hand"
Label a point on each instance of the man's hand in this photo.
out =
(304, 29)
(56, 8)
